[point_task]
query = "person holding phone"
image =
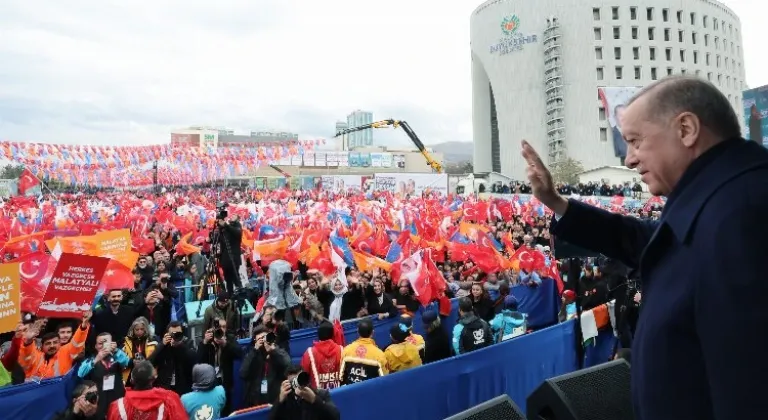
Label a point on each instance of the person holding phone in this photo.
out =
(263, 369)
(106, 370)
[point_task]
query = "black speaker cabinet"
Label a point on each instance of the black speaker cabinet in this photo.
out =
(499, 408)
(601, 392)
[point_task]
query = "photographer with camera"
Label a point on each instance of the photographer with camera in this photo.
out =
(222, 308)
(226, 239)
(220, 350)
(106, 370)
(299, 400)
(174, 358)
(84, 404)
(263, 369)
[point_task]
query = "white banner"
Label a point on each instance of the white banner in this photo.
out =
(411, 184)
(342, 183)
(309, 158)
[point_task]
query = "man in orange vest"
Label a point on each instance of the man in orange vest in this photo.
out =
(52, 359)
(323, 360)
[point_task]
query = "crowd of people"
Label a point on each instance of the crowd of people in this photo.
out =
(303, 259)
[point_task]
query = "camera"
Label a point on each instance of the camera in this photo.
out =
(177, 336)
(92, 397)
(271, 338)
(221, 211)
(300, 381)
(218, 333)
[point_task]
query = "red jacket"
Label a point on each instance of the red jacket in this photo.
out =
(147, 405)
(12, 355)
(323, 362)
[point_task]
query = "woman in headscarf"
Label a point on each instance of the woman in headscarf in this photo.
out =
(138, 346)
(340, 301)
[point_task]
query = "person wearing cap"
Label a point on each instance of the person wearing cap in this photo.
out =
(207, 400)
(413, 338)
(221, 308)
(401, 354)
(509, 323)
(437, 344)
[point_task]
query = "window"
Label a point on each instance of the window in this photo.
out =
(680, 35)
(668, 54)
(731, 47)
(679, 16)
(730, 29)
(726, 63)
(706, 61)
(603, 134)
(617, 53)
(649, 13)
(652, 53)
(709, 76)
(636, 53)
(698, 73)
(637, 72)
(717, 43)
(720, 79)
(601, 114)
(633, 13)
(665, 15)
(715, 24)
(666, 34)
(616, 32)
(654, 76)
(693, 18)
(619, 72)
(598, 53)
(634, 32)
(694, 38)
(600, 73)
(682, 71)
(682, 56)
(651, 33)
(670, 71)
(695, 57)
(615, 13)
(705, 21)
(718, 61)
(596, 13)
(706, 40)
(598, 34)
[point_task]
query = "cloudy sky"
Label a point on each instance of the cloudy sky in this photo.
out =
(116, 72)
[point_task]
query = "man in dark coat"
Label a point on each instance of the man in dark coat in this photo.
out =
(699, 344)
(437, 343)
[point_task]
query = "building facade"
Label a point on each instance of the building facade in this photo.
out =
(363, 138)
(201, 136)
(556, 74)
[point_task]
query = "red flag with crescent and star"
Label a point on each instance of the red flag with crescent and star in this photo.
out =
(27, 180)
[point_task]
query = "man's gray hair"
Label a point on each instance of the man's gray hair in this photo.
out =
(673, 95)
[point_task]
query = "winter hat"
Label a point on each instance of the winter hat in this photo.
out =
(429, 317)
(510, 302)
(399, 333)
(203, 377)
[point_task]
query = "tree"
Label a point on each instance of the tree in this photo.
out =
(567, 171)
(11, 171)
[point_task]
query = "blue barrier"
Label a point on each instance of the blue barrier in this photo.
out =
(441, 389)
(540, 303)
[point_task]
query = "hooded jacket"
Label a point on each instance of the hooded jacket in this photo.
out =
(508, 324)
(471, 333)
(281, 295)
(323, 363)
(148, 404)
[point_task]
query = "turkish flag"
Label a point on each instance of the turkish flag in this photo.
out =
(35, 271)
(27, 180)
(116, 276)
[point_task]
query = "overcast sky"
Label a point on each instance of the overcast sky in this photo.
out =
(117, 72)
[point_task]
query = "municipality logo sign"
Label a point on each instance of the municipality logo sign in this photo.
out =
(512, 39)
(510, 24)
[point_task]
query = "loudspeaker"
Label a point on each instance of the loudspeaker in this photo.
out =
(499, 408)
(597, 393)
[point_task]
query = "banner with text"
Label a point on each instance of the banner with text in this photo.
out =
(73, 286)
(342, 183)
(411, 184)
(10, 297)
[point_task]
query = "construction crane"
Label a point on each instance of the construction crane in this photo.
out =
(435, 165)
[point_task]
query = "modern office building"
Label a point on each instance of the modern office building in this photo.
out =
(556, 73)
(363, 138)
